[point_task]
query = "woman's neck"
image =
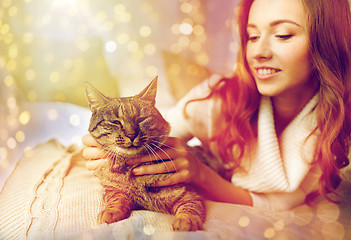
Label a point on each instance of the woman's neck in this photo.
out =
(287, 107)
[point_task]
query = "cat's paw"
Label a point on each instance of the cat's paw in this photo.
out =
(111, 217)
(187, 223)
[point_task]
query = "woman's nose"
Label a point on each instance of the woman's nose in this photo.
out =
(263, 49)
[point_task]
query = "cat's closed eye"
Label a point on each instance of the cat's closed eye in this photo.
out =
(140, 119)
(116, 122)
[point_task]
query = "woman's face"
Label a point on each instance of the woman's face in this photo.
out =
(278, 51)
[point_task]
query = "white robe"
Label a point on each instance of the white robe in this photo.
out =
(280, 177)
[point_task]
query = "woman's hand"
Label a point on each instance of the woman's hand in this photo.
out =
(185, 167)
(91, 152)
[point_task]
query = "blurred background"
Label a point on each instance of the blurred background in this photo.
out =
(49, 48)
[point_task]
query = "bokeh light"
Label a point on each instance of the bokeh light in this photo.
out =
(20, 136)
(333, 231)
(3, 154)
(74, 120)
(24, 117)
(269, 233)
(149, 229)
(303, 215)
(11, 143)
(52, 114)
(328, 212)
(110, 46)
(279, 225)
(244, 221)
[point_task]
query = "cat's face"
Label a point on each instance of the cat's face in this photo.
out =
(127, 126)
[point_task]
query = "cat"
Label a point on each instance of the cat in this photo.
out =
(128, 127)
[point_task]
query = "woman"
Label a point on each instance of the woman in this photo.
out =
(282, 122)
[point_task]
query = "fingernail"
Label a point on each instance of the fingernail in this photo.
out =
(135, 171)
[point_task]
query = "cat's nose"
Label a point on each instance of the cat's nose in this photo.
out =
(132, 136)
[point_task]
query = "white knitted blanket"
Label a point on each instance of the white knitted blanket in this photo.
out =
(51, 195)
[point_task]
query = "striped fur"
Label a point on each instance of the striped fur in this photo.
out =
(130, 127)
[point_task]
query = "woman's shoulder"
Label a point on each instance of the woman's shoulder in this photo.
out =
(204, 88)
(196, 111)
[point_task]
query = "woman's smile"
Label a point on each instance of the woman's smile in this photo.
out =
(264, 72)
(278, 50)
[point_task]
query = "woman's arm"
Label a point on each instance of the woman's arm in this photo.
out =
(185, 167)
(215, 188)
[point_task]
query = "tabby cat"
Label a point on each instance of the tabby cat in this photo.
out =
(129, 127)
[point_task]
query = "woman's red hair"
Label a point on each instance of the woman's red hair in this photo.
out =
(329, 25)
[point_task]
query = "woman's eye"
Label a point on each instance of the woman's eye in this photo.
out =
(284, 36)
(253, 38)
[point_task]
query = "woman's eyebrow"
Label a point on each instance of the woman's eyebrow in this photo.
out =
(281, 21)
(275, 23)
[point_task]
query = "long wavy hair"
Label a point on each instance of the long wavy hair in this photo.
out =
(329, 26)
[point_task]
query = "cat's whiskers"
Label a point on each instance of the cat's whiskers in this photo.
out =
(146, 147)
(159, 157)
(116, 151)
(168, 146)
(112, 151)
(109, 154)
(159, 136)
(103, 149)
(170, 159)
(104, 157)
(149, 150)
(143, 138)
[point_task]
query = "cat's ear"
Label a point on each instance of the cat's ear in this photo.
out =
(149, 93)
(95, 98)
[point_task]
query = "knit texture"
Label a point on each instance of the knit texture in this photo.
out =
(280, 169)
(47, 192)
(51, 195)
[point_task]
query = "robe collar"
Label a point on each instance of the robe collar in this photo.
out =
(281, 169)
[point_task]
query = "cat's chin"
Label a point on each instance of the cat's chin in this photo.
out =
(129, 152)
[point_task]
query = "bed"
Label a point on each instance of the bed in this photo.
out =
(49, 194)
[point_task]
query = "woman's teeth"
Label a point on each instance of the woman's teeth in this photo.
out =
(266, 71)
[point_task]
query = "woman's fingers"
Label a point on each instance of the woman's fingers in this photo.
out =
(163, 154)
(173, 148)
(92, 165)
(92, 150)
(93, 153)
(175, 165)
(89, 141)
(164, 167)
(177, 177)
